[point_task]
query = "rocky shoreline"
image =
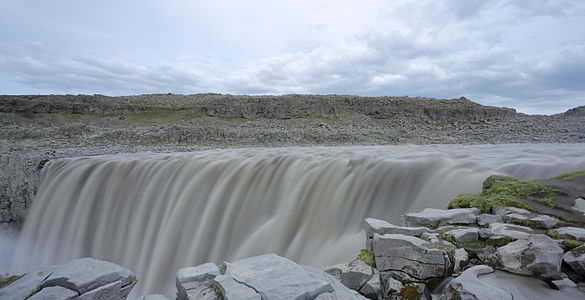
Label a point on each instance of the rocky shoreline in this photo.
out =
(458, 253)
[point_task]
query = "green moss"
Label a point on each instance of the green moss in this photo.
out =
(569, 175)
(505, 191)
(8, 279)
(134, 279)
(569, 245)
(367, 257)
(553, 234)
(528, 223)
(217, 291)
(409, 292)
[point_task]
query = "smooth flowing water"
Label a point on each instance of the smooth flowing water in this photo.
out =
(155, 213)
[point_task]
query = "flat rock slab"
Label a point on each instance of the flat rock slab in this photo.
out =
(24, 286)
(85, 274)
(55, 292)
(410, 255)
(464, 235)
(511, 231)
(486, 219)
(232, 290)
(276, 277)
(432, 217)
(575, 233)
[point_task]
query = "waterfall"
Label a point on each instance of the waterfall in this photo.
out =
(155, 213)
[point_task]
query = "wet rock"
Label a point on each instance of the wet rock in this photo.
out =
(576, 259)
(432, 217)
(398, 252)
(195, 282)
(468, 286)
(353, 275)
(486, 219)
(538, 256)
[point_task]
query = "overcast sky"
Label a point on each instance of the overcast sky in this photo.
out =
(525, 54)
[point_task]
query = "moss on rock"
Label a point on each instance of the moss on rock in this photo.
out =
(367, 257)
(569, 175)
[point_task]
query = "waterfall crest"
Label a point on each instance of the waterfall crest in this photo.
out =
(155, 213)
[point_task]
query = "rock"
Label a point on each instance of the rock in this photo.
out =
(339, 290)
(564, 283)
(486, 219)
(461, 259)
(432, 217)
(382, 227)
(373, 288)
(579, 205)
(576, 259)
(88, 278)
(195, 282)
(54, 292)
(465, 235)
(533, 220)
(575, 233)
(353, 275)
(544, 221)
(537, 256)
(154, 297)
(109, 291)
(413, 291)
(506, 210)
(410, 255)
(391, 286)
(468, 286)
(511, 231)
(85, 274)
(232, 290)
(276, 277)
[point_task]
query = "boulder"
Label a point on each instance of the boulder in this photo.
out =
(486, 219)
(464, 235)
(537, 256)
(461, 259)
(276, 277)
(89, 278)
(411, 255)
(381, 227)
(232, 290)
(196, 282)
(575, 233)
(576, 259)
(353, 275)
(468, 286)
(372, 289)
(55, 292)
(432, 217)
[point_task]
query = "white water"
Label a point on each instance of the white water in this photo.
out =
(155, 213)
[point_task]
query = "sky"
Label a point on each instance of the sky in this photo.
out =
(528, 55)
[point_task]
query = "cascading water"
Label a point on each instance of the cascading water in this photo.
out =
(155, 213)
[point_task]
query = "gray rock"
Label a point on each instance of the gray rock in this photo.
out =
(579, 205)
(54, 292)
(195, 282)
(382, 227)
(276, 277)
(28, 284)
(154, 297)
(85, 274)
(575, 258)
(464, 235)
(564, 283)
(432, 217)
(511, 231)
(575, 233)
(545, 221)
(506, 210)
(391, 286)
(106, 292)
(412, 291)
(468, 286)
(410, 255)
(461, 258)
(373, 288)
(538, 256)
(339, 290)
(232, 290)
(486, 219)
(353, 275)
